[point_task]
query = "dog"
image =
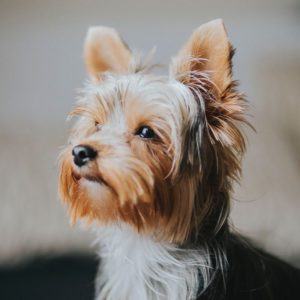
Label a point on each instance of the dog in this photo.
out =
(150, 166)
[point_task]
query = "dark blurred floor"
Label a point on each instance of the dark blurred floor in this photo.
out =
(68, 277)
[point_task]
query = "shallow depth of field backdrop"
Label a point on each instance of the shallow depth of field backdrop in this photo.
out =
(41, 66)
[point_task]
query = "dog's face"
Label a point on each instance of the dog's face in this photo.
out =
(154, 152)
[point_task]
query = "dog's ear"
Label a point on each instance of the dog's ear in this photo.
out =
(104, 51)
(204, 65)
(209, 52)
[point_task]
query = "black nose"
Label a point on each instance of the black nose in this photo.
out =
(83, 154)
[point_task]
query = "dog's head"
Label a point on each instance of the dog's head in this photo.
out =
(158, 153)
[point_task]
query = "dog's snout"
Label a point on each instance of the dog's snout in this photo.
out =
(83, 154)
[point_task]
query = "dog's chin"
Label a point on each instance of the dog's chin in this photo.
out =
(84, 174)
(96, 187)
(93, 179)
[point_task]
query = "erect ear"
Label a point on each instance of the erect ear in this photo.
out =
(204, 66)
(209, 52)
(104, 51)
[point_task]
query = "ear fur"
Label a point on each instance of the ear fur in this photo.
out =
(204, 65)
(104, 51)
(207, 50)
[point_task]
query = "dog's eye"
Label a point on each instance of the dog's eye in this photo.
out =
(145, 132)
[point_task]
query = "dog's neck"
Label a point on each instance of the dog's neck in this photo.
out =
(135, 266)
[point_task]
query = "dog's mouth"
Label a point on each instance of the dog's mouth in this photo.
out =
(77, 176)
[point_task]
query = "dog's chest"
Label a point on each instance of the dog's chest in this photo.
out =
(134, 266)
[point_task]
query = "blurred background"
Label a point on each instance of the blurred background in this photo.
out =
(41, 66)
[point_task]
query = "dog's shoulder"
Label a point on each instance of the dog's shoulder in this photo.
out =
(252, 274)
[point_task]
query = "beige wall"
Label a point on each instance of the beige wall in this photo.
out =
(41, 66)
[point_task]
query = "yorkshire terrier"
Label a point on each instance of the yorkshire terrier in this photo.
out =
(150, 166)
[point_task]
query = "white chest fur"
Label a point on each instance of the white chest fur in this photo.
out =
(136, 267)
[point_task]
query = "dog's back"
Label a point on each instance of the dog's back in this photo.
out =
(253, 275)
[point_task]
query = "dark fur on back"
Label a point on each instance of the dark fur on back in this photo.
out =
(251, 274)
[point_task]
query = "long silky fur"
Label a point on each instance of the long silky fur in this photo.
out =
(195, 219)
(162, 220)
(143, 268)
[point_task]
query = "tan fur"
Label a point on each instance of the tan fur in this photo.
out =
(210, 48)
(204, 64)
(105, 51)
(179, 182)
